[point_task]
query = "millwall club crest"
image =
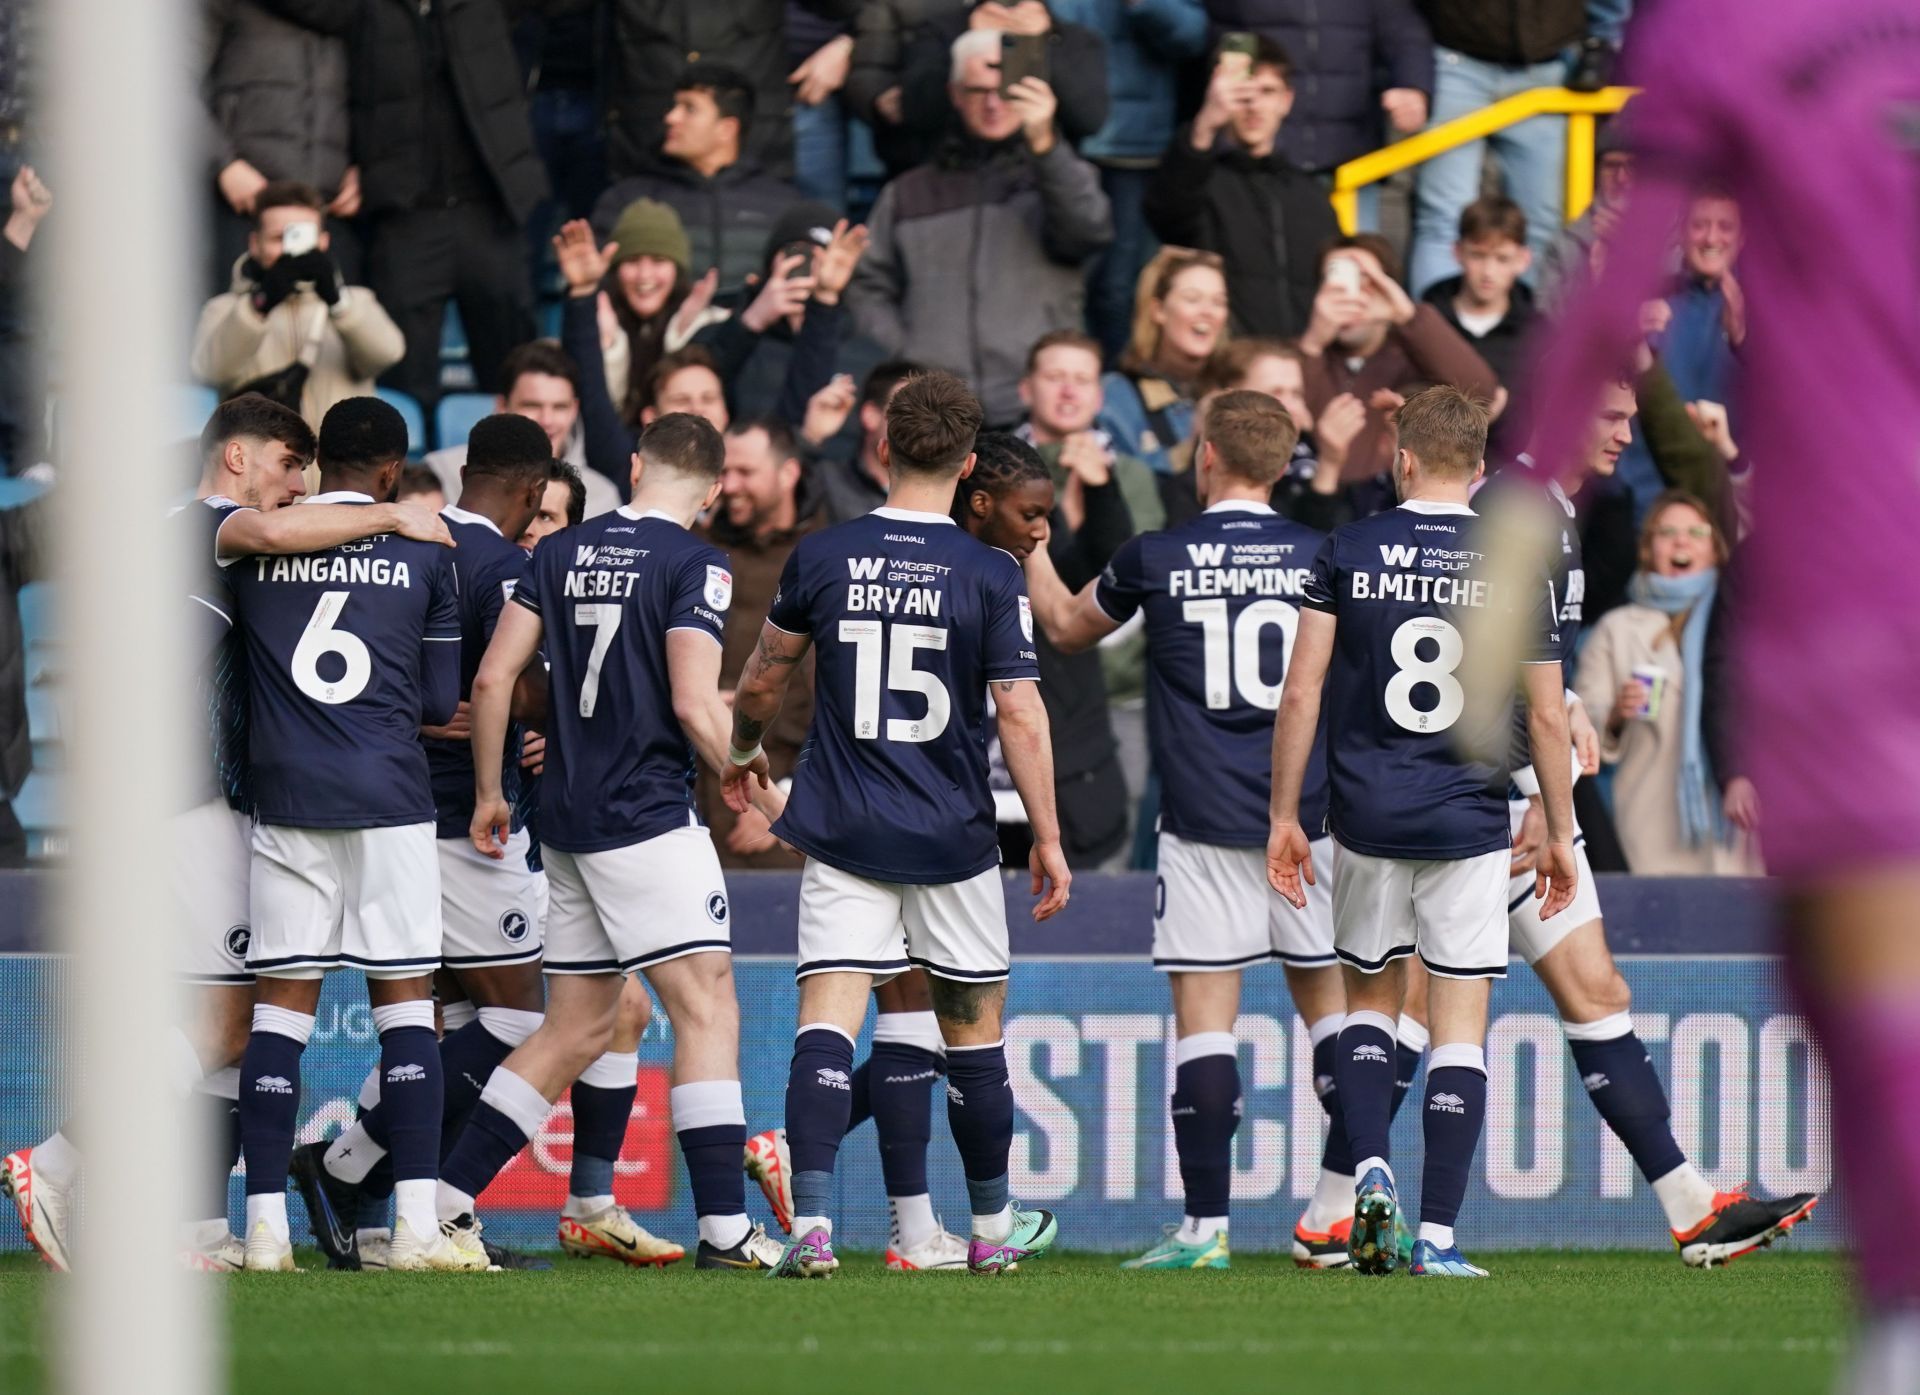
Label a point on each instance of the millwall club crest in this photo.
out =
(514, 926)
(239, 940)
(1026, 618)
(719, 587)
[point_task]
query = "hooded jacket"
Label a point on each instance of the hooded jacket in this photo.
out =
(727, 216)
(276, 87)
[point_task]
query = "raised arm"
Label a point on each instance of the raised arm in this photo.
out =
(1027, 746)
(1072, 623)
(756, 702)
(1288, 848)
(313, 527)
(516, 640)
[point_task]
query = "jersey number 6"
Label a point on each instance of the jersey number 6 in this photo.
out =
(320, 637)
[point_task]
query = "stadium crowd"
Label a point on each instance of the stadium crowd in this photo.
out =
(1099, 213)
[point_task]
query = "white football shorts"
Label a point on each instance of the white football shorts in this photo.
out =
(490, 910)
(345, 898)
(1215, 910)
(633, 907)
(212, 850)
(851, 924)
(1453, 914)
(1533, 937)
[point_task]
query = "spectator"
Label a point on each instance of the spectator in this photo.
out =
(543, 385)
(290, 329)
(884, 31)
(850, 488)
(449, 176)
(1179, 319)
(726, 201)
(1148, 43)
(1062, 393)
(1225, 187)
(785, 346)
(1074, 66)
(420, 485)
(1368, 339)
(978, 254)
(563, 104)
(651, 42)
(1363, 74)
(1706, 318)
(564, 505)
(275, 85)
(26, 556)
(1643, 674)
(1488, 305)
(1485, 50)
(647, 284)
(1576, 253)
(766, 507)
(821, 52)
(23, 392)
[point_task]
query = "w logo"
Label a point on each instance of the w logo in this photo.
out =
(864, 568)
(584, 556)
(1207, 554)
(1398, 556)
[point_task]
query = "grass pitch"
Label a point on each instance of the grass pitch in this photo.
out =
(1545, 1322)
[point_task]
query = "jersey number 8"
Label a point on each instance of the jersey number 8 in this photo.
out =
(1436, 672)
(902, 677)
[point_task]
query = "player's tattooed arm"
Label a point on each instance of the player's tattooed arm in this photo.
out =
(1072, 622)
(756, 702)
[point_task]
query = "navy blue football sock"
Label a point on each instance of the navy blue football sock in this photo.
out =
(1406, 1070)
(819, 1098)
(1623, 1086)
(1206, 1112)
(600, 1118)
(269, 1108)
(1336, 1156)
(467, 1059)
(411, 1096)
(1455, 1113)
(509, 1112)
(902, 1093)
(861, 1084)
(1363, 1074)
(980, 1115)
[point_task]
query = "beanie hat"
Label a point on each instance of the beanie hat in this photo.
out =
(807, 220)
(650, 228)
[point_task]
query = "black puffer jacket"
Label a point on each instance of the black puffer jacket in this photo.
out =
(728, 217)
(390, 84)
(652, 41)
(276, 87)
(1509, 32)
(1345, 54)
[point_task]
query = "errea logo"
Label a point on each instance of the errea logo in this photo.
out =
(1367, 1051)
(1447, 1103)
(273, 1085)
(400, 1075)
(1596, 1081)
(833, 1079)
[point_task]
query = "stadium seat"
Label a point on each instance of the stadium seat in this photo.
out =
(549, 313)
(456, 414)
(192, 404)
(456, 368)
(416, 419)
(37, 806)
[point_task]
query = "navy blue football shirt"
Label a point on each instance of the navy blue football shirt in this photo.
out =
(489, 568)
(349, 651)
(220, 677)
(619, 766)
(1399, 584)
(1222, 595)
(910, 618)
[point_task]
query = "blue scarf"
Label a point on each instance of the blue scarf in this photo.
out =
(1700, 816)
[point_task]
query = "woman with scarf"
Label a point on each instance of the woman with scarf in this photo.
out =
(1643, 668)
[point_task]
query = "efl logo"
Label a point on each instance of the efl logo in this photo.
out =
(536, 1180)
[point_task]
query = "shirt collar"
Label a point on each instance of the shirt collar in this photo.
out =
(340, 496)
(1435, 506)
(453, 513)
(626, 511)
(910, 515)
(1239, 506)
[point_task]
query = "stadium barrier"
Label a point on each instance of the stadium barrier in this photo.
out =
(1088, 1038)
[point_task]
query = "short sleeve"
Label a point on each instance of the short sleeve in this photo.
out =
(205, 519)
(1122, 587)
(1009, 651)
(1321, 592)
(1543, 625)
(443, 601)
(526, 591)
(497, 591)
(789, 609)
(702, 593)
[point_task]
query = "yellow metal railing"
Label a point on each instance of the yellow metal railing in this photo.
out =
(1580, 109)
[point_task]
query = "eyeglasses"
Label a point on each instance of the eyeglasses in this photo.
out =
(980, 93)
(1694, 532)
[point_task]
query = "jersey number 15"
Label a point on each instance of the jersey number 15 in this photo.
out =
(900, 641)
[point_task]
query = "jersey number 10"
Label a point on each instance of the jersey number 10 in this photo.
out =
(1233, 653)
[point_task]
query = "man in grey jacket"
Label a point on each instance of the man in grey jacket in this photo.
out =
(980, 252)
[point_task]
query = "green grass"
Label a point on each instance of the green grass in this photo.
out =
(1544, 1323)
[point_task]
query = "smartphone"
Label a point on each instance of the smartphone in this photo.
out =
(299, 239)
(1022, 56)
(1236, 53)
(1343, 273)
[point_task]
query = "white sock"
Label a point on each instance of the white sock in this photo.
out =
(998, 1226)
(270, 1207)
(1408, 1032)
(1441, 1236)
(413, 1202)
(913, 1220)
(1197, 1230)
(351, 1156)
(803, 1224)
(1332, 1201)
(450, 1203)
(1684, 1195)
(57, 1161)
(1366, 1165)
(724, 1232)
(578, 1208)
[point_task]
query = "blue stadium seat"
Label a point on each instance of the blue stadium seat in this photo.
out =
(549, 313)
(16, 490)
(192, 404)
(37, 806)
(36, 613)
(456, 414)
(416, 419)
